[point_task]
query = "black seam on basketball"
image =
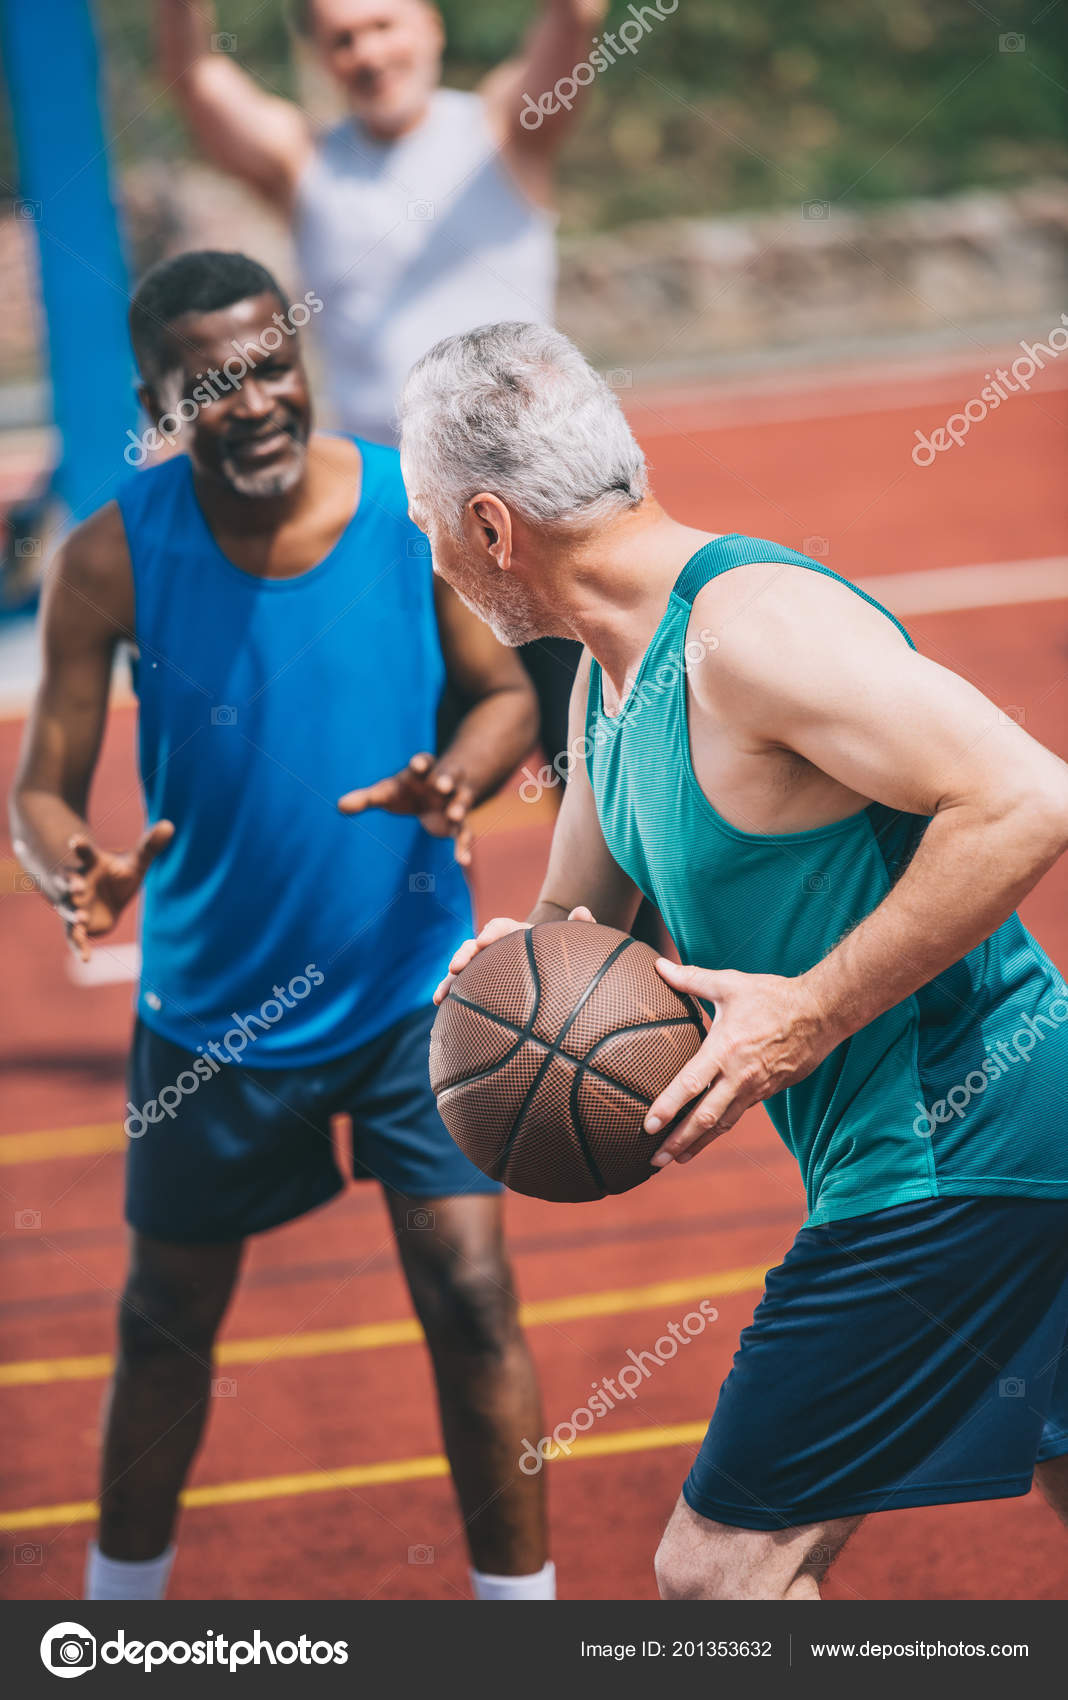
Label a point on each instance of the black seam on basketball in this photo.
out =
(591, 987)
(535, 976)
(535, 1039)
(580, 1132)
(692, 1006)
(523, 1033)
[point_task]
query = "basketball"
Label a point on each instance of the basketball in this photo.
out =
(547, 1053)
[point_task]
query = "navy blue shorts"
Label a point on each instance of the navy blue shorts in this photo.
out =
(914, 1356)
(249, 1148)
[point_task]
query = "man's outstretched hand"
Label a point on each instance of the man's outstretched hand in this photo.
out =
(96, 885)
(435, 792)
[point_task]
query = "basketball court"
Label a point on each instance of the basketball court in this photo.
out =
(322, 1476)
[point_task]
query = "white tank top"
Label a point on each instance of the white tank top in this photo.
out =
(409, 241)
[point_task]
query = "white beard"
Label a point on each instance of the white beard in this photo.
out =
(511, 626)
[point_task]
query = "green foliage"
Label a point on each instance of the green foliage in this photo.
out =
(726, 104)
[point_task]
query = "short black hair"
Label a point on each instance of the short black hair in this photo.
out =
(199, 282)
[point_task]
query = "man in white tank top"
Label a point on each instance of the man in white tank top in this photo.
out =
(427, 211)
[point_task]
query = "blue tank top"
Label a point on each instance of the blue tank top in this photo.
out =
(262, 701)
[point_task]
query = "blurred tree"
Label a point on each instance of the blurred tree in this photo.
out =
(723, 104)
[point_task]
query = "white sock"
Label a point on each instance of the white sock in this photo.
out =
(127, 1579)
(540, 1586)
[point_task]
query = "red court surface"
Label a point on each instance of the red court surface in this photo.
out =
(322, 1468)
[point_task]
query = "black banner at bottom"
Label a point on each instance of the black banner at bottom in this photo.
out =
(594, 1647)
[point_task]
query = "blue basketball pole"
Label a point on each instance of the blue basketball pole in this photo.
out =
(53, 77)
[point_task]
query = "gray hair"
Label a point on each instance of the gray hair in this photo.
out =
(515, 410)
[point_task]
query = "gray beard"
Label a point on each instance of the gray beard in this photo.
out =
(513, 626)
(270, 482)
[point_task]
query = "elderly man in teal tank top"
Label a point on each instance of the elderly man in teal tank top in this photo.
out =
(837, 831)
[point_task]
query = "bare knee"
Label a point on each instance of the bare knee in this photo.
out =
(1051, 1479)
(467, 1304)
(686, 1572)
(172, 1306)
(699, 1559)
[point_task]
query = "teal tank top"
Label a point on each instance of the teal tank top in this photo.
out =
(958, 1090)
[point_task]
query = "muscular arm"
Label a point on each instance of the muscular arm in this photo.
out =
(824, 674)
(815, 670)
(87, 610)
(258, 137)
(559, 39)
(848, 694)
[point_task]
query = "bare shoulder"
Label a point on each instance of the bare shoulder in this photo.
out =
(766, 619)
(90, 577)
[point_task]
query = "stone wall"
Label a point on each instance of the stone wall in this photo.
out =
(665, 295)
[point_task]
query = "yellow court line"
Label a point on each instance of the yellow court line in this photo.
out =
(368, 1336)
(357, 1475)
(84, 1141)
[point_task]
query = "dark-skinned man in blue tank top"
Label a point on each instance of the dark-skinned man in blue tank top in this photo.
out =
(291, 646)
(837, 831)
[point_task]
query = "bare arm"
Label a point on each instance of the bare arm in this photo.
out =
(582, 881)
(843, 690)
(87, 610)
(848, 694)
(529, 113)
(496, 732)
(582, 872)
(258, 137)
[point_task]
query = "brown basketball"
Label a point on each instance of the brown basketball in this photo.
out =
(547, 1053)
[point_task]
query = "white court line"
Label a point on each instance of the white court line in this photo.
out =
(993, 584)
(109, 965)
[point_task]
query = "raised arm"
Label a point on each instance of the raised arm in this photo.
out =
(531, 99)
(258, 137)
(88, 609)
